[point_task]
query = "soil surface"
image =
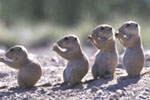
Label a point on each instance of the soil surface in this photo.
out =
(53, 66)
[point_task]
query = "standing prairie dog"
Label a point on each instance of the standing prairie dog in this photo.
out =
(29, 70)
(106, 59)
(69, 48)
(130, 37)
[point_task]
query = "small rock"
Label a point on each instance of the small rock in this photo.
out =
(1, 95)
(147, 90)
(55, 59)
(3, 74)
(42, 91)
(96, 98)
(100, 92)
(119, 91)
(94, 89)
(114, 97)
(124, 88)
(145, 93)
(142, 97)
(131, 94)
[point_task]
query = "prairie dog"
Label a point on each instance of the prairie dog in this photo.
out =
(130, 37)
(106, 58)
(29, 70)
(77, 67)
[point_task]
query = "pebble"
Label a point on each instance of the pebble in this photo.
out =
(147, 90)
(114, 97)
(94, 89)
(130, 93)
(55, 59)
(97, 98)
(142, 97)
(42, 91)
(3, 74)
(119, 91)
(100, 92)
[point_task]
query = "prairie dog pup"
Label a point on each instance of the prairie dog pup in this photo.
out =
(130, 37)
(29, 70)
(78, 64)
(106, 59)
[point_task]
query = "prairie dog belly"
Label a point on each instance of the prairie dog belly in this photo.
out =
(72, 66)
(103, 58)
(30, 73)
(133, 61)
(76, 70)
(106, 62)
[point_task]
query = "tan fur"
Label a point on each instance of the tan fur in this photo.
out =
(78, 64)
(29, 70)
(106, 59)
(130, 37)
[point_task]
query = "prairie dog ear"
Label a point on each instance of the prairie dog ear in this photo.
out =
(66, 38)
(102, 28)
(127, 25)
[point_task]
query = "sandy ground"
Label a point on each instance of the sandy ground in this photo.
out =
(53, 66)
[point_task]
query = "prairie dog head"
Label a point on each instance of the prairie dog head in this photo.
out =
(69, 42)
(103, 31)
(16, 52)
(129, 28)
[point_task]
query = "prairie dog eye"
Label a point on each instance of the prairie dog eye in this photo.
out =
(102, 28)
(66, 38)
(136, 25)
(20, 49)
(11, 50)
(75, 39)
(110, 28)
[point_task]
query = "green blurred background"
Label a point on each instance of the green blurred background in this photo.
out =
(39, 23)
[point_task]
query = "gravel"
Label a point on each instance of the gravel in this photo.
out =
(53, 66)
